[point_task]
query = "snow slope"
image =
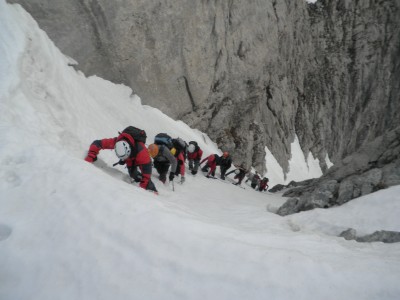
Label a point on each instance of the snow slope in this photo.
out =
(73, 230)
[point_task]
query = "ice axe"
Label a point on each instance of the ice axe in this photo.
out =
(120, 162)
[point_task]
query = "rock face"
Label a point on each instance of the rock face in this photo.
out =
(249, 73)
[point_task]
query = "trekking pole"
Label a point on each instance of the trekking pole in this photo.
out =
(173, 186)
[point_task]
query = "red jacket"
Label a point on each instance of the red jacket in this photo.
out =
(139, 157)
(263, 185)
(181, 164)
(196, 155)
(211, 162)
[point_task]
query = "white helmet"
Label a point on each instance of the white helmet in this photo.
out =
(237, 171)
(191, 148)
(122, 150)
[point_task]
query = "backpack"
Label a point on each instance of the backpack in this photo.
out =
(164, 139)
(179, 144)
(137, 134)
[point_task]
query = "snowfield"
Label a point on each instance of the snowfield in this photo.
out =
(73, 230)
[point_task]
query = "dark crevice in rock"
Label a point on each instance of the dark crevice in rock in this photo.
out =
(274, 6)
(268, 92)
(189, 93)
(230, 5)
(241, 52)
(271, 109)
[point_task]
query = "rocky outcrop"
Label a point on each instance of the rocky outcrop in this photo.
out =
(250, 74)
(383, 236)
(375, 166)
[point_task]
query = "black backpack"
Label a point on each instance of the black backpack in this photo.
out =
(179, 144)
(181, 147)
(164, 139)
(137, 134)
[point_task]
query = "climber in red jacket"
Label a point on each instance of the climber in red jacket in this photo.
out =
(194, 156)
(131, 152)
(263, 185)
(211, 165)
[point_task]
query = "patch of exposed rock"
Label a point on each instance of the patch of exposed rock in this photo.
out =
(384, 236)
(375, 166)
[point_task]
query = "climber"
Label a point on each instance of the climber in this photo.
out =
(163, 161)
(263, 184)
(225, 162)
(130, 148)
(240, 172)
(210, 166)
(180, 169)
(194, 156)
(255, 179)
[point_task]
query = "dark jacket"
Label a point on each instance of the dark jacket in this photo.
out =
(239, 172)
(224, 162)
(165, 156)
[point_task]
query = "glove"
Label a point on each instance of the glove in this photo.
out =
(171, 176)
(90, 158)
(182, 179)
(121, 162)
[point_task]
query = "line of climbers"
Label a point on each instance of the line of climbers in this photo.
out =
(168, 154)
(225, 162)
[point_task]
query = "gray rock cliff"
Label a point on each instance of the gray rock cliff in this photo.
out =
(249, 73)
